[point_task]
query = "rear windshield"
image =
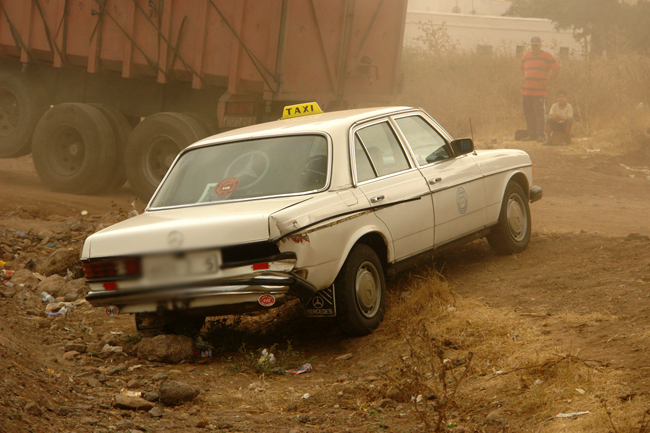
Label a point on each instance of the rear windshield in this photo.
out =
(246, 169)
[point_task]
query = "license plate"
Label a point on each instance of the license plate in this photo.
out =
(177, 265)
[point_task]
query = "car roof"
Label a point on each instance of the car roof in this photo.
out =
(333, 121)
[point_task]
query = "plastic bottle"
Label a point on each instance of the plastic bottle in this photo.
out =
(61, 312)
(46, 298)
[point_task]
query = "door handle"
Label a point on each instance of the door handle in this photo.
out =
(434, 181)
(377, 199)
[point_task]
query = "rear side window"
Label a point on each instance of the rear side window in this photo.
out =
(427, 145)
(378, 146)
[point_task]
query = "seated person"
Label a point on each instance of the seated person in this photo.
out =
(560, 119)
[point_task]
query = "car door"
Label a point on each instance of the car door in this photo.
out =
(394, 187)
(456, 182)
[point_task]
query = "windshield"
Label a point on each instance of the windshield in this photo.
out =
(246, 169)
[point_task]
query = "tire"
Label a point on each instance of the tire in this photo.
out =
(22, 103)
(152, 147)
(121, 130)
(360, 292)
(152, 324)
(512, 232)
(205, 122)
(74, 148)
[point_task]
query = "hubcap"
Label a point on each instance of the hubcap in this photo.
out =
(9, 112)
(67, 152)
(159, 155)
(368, 289)
(517, 218)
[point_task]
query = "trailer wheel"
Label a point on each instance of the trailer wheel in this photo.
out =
(121, 130)
(22, 103)
(74, 148)
(154, 144)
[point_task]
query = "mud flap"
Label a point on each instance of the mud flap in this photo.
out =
(322, 304)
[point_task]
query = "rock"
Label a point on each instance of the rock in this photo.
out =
(116, 369)
(134, 383)
(385, 402)
(151, 396)
(75, 289)
(52, 285)
(33, 409)
(396, 394)
(173, 392)
(159, 376)
(156, 412)
(131, 403)
(93, 383)
(24, 277)
(44, 234)
(165, 348)
(343, 357)
(60, 261)
(78, 347)
(637, 237)
(8, 292)
(64, 411)
(71, 355)
(202, 423)
(496, 416)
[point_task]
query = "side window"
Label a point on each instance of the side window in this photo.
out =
(383, 148)
(364, 168)
(428, 146)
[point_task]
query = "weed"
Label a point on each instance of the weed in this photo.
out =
(133, 338)
(272, 360)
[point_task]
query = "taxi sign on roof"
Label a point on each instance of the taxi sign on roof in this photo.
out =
(301, 110)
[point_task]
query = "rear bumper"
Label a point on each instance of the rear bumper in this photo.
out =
(535, 193)
(209, 293)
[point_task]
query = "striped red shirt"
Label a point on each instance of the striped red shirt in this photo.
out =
(536, 69)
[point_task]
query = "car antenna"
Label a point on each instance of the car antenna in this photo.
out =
(471, 130)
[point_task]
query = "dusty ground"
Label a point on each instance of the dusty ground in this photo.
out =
(582, 288)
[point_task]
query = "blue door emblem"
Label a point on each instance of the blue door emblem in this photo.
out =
(461, 200)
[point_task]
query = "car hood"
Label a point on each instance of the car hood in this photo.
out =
(188, 228)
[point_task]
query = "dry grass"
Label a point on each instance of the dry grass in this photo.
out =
(486, 367)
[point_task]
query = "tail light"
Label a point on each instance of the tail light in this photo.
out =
(112, 269)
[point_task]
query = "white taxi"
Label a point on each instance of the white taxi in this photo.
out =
(319, 207)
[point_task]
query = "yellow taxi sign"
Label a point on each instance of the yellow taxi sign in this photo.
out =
(301, 110)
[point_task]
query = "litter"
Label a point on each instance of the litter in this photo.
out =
(305, 368)
(112, 349)
(130, 393)
(571, 415)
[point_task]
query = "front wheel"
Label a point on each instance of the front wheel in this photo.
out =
(360, 291)
(512, 232)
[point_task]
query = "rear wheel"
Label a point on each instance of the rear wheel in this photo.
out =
(22, 103)
(74, 148)
(512, 232)
(154, 144)
(360, 290)
(121, 130)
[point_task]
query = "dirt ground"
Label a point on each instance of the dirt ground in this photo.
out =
(582, 287)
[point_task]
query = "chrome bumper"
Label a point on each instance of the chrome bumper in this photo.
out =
(268, 283)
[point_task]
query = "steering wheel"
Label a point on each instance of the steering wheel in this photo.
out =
(249, 168)
(315, 172)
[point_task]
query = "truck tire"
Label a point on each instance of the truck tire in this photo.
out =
(121, 130)
(360, 292)
(512, 232)
(74, 148)
(22, 103)
(152, 147)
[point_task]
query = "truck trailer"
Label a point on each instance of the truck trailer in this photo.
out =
(105, 91)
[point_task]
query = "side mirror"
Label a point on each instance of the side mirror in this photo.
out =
(462, 146)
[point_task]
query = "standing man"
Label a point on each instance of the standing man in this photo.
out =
(538, 68)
